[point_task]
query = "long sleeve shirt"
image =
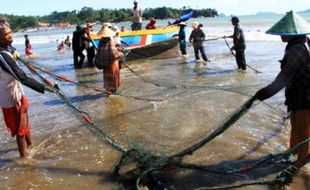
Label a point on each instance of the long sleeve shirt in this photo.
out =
(197, 37)
(11, 75)
(294, 75)
(182, 35)
(238, 38)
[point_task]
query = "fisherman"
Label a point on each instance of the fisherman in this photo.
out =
(295, 78)
(151, 24)
(13, 102)
(78, 46)
(239, 43)
(28, 48)
(118, 43)
(197, 37)
(136, 16)
(182, 38)
(90, 49)
(108, 58)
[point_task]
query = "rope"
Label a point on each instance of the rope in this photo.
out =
(270, 157)
(97, 89)
(206, 40)
(127, 51)
(211, 39)
(146, 81)
(277, 180)
(66, 79)
(144, 159)
(293, 149)
(232, 171)
(149, 163)
(81, 115)
(257, 71)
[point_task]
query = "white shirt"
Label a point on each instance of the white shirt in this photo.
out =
(137, 15)
(10, 88)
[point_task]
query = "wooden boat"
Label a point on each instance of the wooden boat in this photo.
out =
(146, 43)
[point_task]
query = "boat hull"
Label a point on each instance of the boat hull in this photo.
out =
(150, 50)
(143, 37)
(145, 43)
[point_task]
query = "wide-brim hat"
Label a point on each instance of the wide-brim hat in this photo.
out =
(106, 32)
(290, 25)
(182, 24)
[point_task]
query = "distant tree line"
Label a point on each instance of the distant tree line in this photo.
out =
(20, 22)
(87, 14)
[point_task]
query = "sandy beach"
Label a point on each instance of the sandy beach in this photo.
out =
(196, 99)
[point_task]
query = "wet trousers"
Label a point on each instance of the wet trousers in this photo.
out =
(76, 55)
(90, 55)
(300, 131)
(240, 59)
(202, 51)
(183, 47)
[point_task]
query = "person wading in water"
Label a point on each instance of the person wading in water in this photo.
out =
(295, 78)
(107, 58)
(13, 101)
(239, 43)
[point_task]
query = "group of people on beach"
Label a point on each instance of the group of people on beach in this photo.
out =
(294, 75)
(60, 47)
(13, 101)
(197, 38)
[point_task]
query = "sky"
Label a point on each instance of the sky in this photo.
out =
(228, 7)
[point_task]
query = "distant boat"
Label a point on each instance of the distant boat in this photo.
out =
(146, 43)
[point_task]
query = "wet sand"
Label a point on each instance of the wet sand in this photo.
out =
(197, 97)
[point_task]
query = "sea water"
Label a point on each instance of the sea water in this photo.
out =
(196, 99)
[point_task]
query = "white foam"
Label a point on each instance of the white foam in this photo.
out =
(43, 37)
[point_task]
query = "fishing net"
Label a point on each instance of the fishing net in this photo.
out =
(138, 156)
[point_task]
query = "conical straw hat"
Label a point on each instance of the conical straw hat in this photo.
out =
(106, 32)
(291, 24)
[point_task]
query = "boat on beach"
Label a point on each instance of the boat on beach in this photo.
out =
(146, 43)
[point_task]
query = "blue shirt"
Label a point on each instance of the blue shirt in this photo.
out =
(182, 35)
